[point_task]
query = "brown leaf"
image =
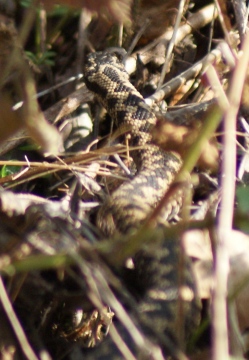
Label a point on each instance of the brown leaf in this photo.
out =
(17, 76)
(178, 138)
(9, 120)
(197, 246)
(43, 133)
(31, 119)
(118, 10)
(159, 15)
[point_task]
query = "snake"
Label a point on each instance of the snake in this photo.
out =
(106, 77)
(126, 209)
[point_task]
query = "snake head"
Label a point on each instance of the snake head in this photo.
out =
(97, 62)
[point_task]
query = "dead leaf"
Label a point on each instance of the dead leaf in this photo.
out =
(16, 76)
(159, 16)
(179, 138)
(43, 133)
(197, 245)
(9, 120)
(118, 10)
(16, 204)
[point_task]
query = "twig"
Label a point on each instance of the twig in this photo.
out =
(196, 21)
(21, 337)
(199, 19)
(224, 21)
(225, 218)
(53, 114)
(172, 85)
(38, 169)
(171, 44)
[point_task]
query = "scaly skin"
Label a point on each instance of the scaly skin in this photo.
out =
(156, 269)
(132, 202)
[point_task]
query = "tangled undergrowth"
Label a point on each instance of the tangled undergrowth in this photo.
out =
(62, 284)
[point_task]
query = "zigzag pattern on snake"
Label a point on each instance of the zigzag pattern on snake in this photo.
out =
(133, 201)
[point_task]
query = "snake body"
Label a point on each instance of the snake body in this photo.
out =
(106, 76)
(133, 201)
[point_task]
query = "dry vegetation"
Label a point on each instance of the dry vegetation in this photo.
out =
(59, 161)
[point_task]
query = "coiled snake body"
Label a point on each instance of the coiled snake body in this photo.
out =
(134, 200)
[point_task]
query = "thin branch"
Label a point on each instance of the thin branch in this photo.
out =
(171, 44)
(225, 218)
(22, 339)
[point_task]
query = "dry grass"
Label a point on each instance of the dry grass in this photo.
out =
(52, 262)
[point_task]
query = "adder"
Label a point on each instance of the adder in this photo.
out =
(155, 272)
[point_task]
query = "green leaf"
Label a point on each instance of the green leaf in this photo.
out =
(26, 3)
(9, 170)
(60, 10)
(46, 58)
